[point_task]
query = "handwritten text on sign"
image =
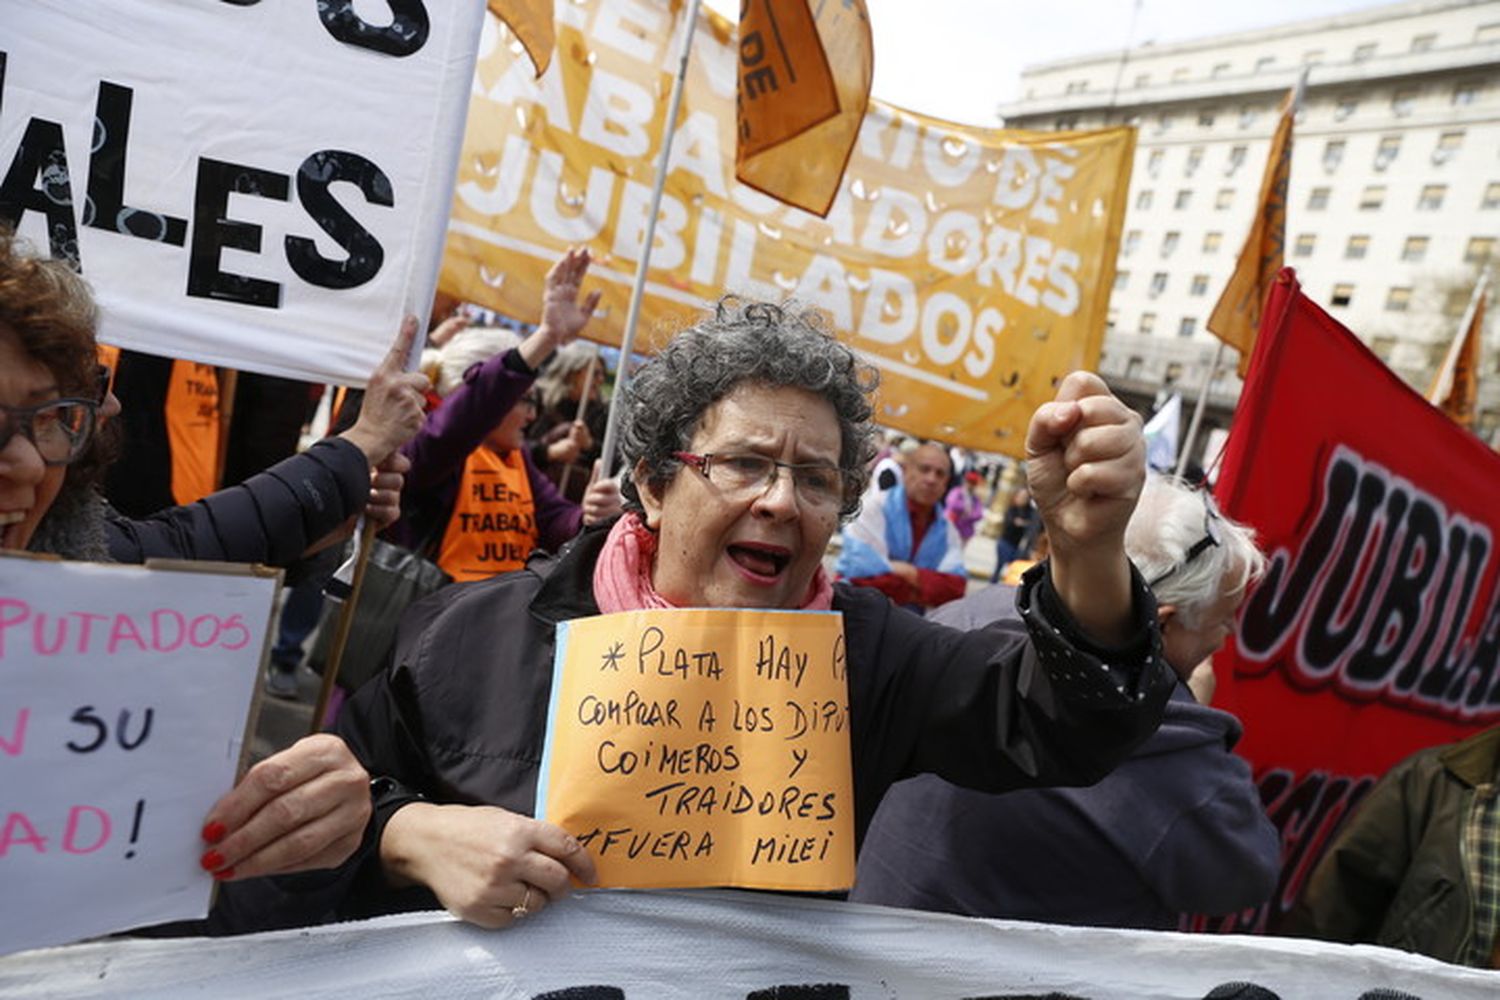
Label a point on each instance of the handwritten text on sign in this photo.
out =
(704, 748)
(123, 695)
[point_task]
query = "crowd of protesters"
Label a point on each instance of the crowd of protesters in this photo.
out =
(747, 451)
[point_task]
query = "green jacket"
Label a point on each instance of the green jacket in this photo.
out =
(1396, 874)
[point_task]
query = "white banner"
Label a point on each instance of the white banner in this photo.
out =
(736, 946)
(123, 698)
(251, 184)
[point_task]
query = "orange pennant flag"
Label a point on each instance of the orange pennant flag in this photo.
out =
(1236, 318)
(804, 81)
(531, 22)
(1455, 387)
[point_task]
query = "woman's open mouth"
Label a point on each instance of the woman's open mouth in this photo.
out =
(760, 561)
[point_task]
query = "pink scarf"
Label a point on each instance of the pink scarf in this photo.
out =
(622, 576)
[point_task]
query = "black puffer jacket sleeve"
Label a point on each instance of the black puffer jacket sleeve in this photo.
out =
(270, 518)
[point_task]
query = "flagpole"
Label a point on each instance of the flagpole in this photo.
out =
(637, 292)
(1438, 389)
(1192, 434)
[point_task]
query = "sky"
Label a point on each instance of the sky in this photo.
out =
(958, 59)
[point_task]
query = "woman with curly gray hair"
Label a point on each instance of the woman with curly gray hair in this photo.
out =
(745, 441)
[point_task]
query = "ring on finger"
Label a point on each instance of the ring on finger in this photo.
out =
(522, 909)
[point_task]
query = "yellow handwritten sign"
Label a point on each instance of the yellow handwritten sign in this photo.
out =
(971, 266)
(704, 748)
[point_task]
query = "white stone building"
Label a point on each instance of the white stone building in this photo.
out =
(1395, 193)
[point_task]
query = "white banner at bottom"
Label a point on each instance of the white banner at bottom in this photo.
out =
(735, 946)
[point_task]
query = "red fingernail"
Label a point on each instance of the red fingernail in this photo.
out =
(214, 832)
(211, 860)
(225, 874)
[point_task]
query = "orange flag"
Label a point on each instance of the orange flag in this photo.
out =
(804, 81)
(1455, 387)
(531, 22)
(1236, 317)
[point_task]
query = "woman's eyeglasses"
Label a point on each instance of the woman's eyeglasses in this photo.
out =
(59, 430)
(1211, 538)
(818, 484)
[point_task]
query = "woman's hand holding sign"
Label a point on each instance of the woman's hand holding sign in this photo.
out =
(486, 865)
(301, 809)
(1086, 464)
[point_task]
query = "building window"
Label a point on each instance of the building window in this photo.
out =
(1248, 114)
(1465, 93)
(1414, 250)
(1491, 197)
(1153, 162)
(1423, 43)
(1122, 278)
(1169, 243)
(1487, 32)
(1479, 249)
(1264, 63)
(1133, 367)
(1212, 242)
(1068, 124)
(1333, 154)
(1194, 160)
(1448, 145)
(1077, 86)
(1183, 200)
(1148, 322)
(1457, 302)
(1356, 248)
(1200, 285)
(1143, 200)
(1431, 198)
(1163, 122)
(1158, 283)
(1312, 57)
(1398, 299)
(1387, 151)
(1345, 108)
(1363, 52)
(1342, 295)
(1372, 198)
(1132, 242)
(1181, 73)
(1143, 80)
(1220, 69)
(1224, 198)
(1236, 159)
(1317, 199)
(1205, 119)
(1304, 245)
(1383, 347)
(1403, 103)
(1173, 373)
(1187, 327)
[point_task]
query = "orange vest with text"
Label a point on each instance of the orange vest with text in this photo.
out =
(493, 526)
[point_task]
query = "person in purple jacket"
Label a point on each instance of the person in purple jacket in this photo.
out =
(474, 501)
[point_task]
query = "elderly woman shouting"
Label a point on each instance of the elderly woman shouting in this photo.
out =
(745, 441)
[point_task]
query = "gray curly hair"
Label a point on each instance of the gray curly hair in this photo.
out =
(740, 342)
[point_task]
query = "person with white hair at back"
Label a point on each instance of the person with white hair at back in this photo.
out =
(1178, 828)
(475, 500)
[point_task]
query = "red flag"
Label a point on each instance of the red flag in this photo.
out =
(1376, 630)
(1455, 387)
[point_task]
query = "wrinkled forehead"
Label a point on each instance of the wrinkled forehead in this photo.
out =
(928, 458)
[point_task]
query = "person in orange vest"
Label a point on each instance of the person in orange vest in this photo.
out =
(475, 501)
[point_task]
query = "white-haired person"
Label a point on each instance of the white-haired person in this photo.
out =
(1177, 828)
(474, 500)
(562, 445)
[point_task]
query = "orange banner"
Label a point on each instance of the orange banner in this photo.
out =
(703, 748)
(531, 22)
(971, 266)
(804, 83)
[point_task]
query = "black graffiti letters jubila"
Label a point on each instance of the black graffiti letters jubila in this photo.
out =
(1380, 598)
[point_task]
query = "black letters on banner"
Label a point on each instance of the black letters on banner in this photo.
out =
(315, 175)
(105, 207)
(213, 230)
(405, 35)
(583, 993)
(41, 153)
(802, 991)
